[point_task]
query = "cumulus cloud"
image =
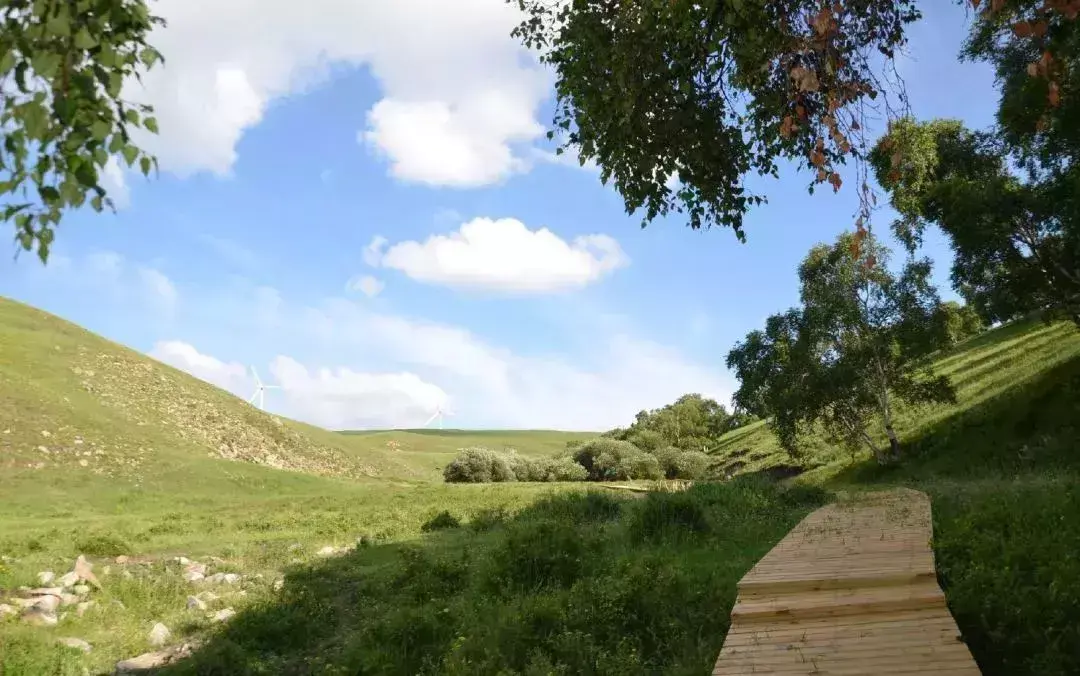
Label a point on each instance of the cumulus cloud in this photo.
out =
(365, 284)
(115, 183)
(345, 399)
(338, 398)
(502, 255)
(460, 95)
(229, 376)
(494, 386)
(159, 287)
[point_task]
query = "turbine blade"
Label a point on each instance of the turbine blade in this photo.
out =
(432, 418)
(256, 374)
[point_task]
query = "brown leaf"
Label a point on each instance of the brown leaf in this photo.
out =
(821, 175)
(1022, 29)
(871, 261)
(817, 158)
(805, 79)
(1039, 28)
(1053, 96)
(834, 178)
(1033, 69)
(787, 127)
(821, 21)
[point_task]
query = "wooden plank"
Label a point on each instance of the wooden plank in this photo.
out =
(850, 590)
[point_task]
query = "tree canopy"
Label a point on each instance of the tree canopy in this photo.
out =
(861, 338)
(1016, 239)
(716, 89)
(692, 422)
(63, 65)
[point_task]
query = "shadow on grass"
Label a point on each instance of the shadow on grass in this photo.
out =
(1004, 477)
(576, 584)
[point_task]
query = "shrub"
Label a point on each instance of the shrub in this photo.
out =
(668, 516)
(487, 519)
(103, 544)
(441, 521)
(538, 554)
(478, 465)
(577, 508)
(648, 440)
(609, 459)
(565, 469)
(680, 464)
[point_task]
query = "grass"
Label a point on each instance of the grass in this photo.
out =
(502, 578)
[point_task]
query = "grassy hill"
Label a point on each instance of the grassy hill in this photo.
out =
(537, 578)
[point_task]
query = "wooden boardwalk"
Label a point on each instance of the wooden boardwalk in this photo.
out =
(850, 590)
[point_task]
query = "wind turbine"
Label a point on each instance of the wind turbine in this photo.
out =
(440, 413)
(260, 390)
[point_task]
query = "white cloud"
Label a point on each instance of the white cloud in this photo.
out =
(492, 386)
(159, 287)
(345, 399)
(460, 95)
(365, 284)
(502, 255)
(333, 398)
(109, 278)
(229, 376)
(115, 184)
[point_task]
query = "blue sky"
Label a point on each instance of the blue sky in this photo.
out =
(508, 287)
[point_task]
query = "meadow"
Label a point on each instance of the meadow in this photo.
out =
(353, 557)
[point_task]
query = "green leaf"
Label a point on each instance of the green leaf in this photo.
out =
(132, 116)
(144, 164)
(7, 61)
(86, 174)
(46, 64)
(49, 194)
(151, 125)
(130, 152)
(83, 39)
(96, 203)
(149, 56)
(116, 143)
(100, 130)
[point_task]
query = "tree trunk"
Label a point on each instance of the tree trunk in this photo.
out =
(894, 443)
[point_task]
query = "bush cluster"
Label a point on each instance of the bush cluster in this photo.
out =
(599, 459)
(482, 465)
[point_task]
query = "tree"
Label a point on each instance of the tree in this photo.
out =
(715, 89)
(63, 64)
(861, 340)
(961, 321)
(692, 422)
(1016, 240)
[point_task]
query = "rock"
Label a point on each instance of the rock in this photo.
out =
(46, 433)
(38, 617)
(144, 662)
(48, 604)
(195, 567)
(45, 577)
(207, 596)
(81, 608)
(85, 570)
(223, 615)
(296, 547)
(326, 551)
(83, 462)
(159, 635)
(81, 589)
(121, 559)
(44, 591)
(193, 576)
(278, 585)
(68, 579)
(7, 611)
(76, 643)
(195, 603)
(182, 560)
(69, 599)
(224, 578)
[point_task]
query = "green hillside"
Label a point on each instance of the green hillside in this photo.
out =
(143, 461)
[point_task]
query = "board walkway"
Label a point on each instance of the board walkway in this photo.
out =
(850, 590)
